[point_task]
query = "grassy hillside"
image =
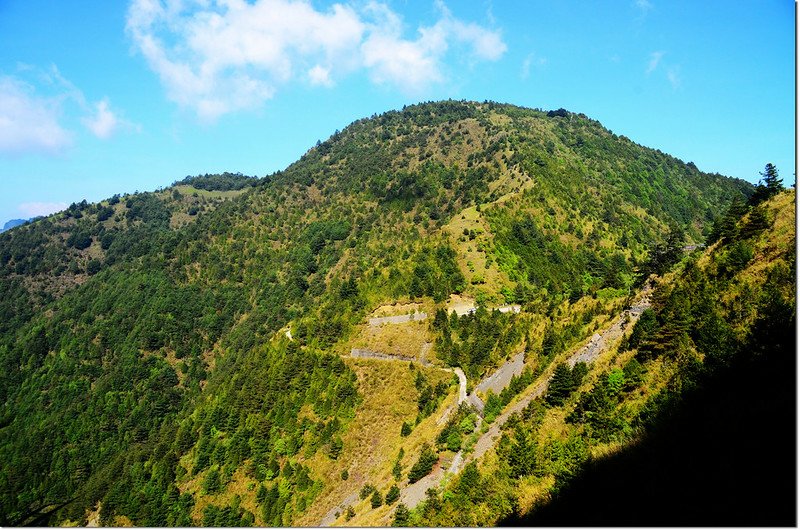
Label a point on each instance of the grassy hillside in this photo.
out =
(669, 428)
(146, 366)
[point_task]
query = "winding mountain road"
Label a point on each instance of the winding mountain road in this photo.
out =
(412, 494)
(598, 344)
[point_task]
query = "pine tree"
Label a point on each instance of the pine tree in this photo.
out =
(424, 465)
(393, 494)
(561, 385)
(769, 186)
(376, 500)
(522, 457)
(401, 515)
(770, 177)
(212, 483)
(405, 430)
(397, 470)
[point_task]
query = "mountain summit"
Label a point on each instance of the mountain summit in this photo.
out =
(224, 351)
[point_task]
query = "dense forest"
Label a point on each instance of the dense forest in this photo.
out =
(181, 357)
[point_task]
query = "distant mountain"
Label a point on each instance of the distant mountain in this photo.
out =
(182, 357)
(12, 223)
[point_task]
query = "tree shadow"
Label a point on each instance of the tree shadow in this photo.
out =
(725, 455)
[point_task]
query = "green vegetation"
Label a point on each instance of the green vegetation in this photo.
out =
(424, 464)
(564, 382)
(223, 182)
(143, 363)
(708, 320)
(476, 340)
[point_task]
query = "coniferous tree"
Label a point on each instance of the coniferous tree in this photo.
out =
(405, 429)
(401, 515)
(212, 483)
(424, 465)
(393, 494)
(522, 457)
(376, 500)
(561, 385)
(769, 186)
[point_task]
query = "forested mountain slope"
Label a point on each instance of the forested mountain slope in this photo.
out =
(145, 367)
(673, 431)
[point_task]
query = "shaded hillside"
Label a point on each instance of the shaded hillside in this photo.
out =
(693, 422)
(724, 452)
(143, 363)
(708, 461)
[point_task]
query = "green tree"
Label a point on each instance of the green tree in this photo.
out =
(561, 385)
(335, 448)
(454, 440)
(366, 491)
(769, 185)
(424, 464)
(405, 429)
(393, 494)
(212, 483)
(397, 470)
(579, 371)
(401, 515)
(522, 456)
(376, 500)
(664, 255)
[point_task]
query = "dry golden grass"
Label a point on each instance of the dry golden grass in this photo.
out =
(372, 439)
(404, 340)
(396, 309)
(532, 490)
(773, 242)
(459, 303)
(238, 485)
(472, 256)
(122, 521)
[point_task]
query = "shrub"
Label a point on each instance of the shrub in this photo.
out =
(376, 500)
(393, 494)
(405, 430)
(424, 464)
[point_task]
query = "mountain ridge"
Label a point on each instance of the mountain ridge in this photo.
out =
(168, 306)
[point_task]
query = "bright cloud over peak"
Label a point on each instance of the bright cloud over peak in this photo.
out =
(220, 56)
(104, 122)
(29, 123)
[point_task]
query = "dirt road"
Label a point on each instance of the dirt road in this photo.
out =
(598, 344)
(397, 319)
(501, 378)
(412, 494)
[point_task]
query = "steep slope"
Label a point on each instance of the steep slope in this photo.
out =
(149, 372)
(669, 430)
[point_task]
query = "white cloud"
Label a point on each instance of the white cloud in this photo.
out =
(674, 77)
(486, 45)
(531, 60)
(655, 59)
(40, 119)
(104, 122)
(34, 209)
(220, 56)
(319, 75)
(671, 71)
(409, 64)
(643, 5)
(29, 123)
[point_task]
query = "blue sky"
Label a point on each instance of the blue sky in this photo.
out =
(98, 98)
